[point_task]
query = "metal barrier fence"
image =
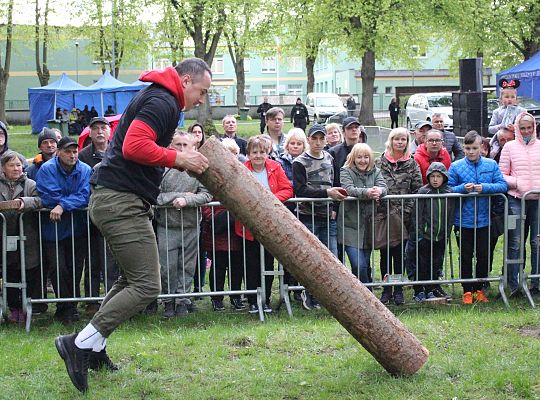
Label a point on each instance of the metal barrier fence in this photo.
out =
(81, 268)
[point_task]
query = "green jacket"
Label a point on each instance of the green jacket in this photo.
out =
(353, 214)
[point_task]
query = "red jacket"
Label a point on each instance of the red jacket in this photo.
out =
(424, 160)
(279, 185)
(222, 241)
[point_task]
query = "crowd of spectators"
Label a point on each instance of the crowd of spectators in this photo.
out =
(328, 163)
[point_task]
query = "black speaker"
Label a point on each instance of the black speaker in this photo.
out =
(470, 112)
(470, 75)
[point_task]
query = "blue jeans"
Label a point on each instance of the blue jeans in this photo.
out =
(323, 231)
(359, 259)
(514, 236)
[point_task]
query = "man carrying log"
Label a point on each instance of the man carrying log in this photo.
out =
(125, 187)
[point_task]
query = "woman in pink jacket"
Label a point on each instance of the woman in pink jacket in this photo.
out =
(520, 166)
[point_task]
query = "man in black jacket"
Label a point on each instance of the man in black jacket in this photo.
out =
(299, 115)
(261, 110)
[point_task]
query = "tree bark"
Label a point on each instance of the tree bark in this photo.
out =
(310, 65)
(4, 70)
(302, 254)
(368, 81)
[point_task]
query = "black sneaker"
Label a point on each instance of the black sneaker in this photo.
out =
(169, 309)
(267, 307)
(99, 360)
(399, 299)
(533, 290)
(386, 296)
(253, 309)
(39, 308)
(181, 310)
(192, 308)
(306, 300)
(440, 293)
(237, 304)
(297, 296)
(516, 293)
(76, 360)
(315, 303)
(151, 308)
(217, 305)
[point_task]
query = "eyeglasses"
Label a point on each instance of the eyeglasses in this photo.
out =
(432, 141)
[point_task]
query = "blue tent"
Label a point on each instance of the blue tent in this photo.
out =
(44, 100)
(528, 73)
(66, 93)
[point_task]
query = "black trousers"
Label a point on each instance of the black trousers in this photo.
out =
(392, 263)
(33, 285)
(66, 267)
(253, 270)
(220, 267)
(469, 238)
(300, 123)
(430, 259)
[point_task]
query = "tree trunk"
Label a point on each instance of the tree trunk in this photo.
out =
(4, 70)
(368, 80)
(302, 254)
(240, 83)
(310, 65)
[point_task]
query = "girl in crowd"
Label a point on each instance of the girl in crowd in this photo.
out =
(521, 170)
(363, 180)
(197, 131)
(402, 176)
(505, 115)
(295, 144)
(270, 174)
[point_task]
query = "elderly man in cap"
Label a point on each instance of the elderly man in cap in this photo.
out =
(63, 184)
(47, 144)
(420, 130)
(101, 262)
(100, 130)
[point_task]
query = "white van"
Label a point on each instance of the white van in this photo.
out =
(422, 106)
(320, 106)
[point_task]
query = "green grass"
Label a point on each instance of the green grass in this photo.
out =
(476, 353)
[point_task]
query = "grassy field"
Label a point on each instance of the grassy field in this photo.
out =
(479, 352)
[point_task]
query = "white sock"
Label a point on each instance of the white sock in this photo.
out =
(90, 338)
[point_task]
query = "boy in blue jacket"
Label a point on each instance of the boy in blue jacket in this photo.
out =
(474, 174)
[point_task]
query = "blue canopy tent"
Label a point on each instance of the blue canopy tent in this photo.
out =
(44, 100)
(66, 93)
(528, 73)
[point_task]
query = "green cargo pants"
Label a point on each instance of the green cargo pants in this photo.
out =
(124, 219)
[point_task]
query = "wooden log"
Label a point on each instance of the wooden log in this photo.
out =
(302, 254)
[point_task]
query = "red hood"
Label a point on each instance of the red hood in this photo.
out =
(169, 79)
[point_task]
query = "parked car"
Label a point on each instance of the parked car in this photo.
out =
(422, 106)
(321, 106)
(531, 105)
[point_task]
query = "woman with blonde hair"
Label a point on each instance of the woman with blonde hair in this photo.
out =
(362, 180)
(402, 176)
(295, 144)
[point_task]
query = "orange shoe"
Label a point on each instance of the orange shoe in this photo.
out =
(467, 298)
(481, 297)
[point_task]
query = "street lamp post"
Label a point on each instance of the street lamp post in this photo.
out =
(77, 61)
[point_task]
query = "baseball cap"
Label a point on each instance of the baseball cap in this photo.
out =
(99, 119)
(45, 134)
(421, 124)
(65, 142)
(350, 121)
(317, 128)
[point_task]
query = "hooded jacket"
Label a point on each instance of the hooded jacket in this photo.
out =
(24, 189)
(138, 150)
(352, 221)
(520, 163)
(175, 184)
(484, 171)
(279, 186)
(424, 159)
(435, 214)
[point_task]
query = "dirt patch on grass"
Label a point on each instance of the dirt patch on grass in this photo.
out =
(531, 331)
